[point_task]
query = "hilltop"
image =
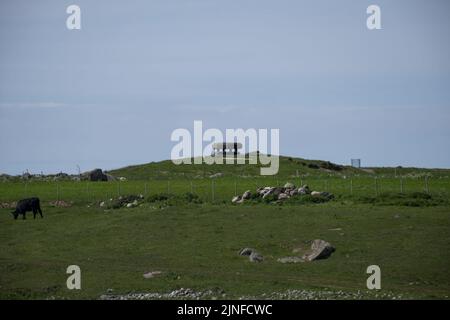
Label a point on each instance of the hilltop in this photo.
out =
(288, 167)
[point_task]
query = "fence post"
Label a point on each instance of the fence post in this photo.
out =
(376, 186)
(401, 184)
(235, 187)
(57, 192)
(351, 186)
(212, 190)
(168, 186)
(192, 187)
(426, 184)
(145, 189)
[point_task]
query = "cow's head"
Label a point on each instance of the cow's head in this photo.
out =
(15, 214)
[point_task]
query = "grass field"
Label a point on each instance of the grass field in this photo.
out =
(196, 245)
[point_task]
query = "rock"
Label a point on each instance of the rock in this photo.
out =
(293, 192)
(327, 195)
(247, 195)
(122, 179)
(291, 260)
(282, 196)
(216, 175)
(304, 190)
(102, 204)
(236, 199)
(276, 191)
(129, 205)
(289, 185)
(316, 194)
(255, 257)
(246, 251)
(151, 274)
(97, 175)
(320, 249)
(252, 254)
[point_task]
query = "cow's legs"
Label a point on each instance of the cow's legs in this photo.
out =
(34, 213)
(40, 212)
(24, 215)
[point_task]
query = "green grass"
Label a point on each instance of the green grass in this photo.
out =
(196, 246)
(194, 241)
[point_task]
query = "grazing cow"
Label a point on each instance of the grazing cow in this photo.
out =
(24, 205)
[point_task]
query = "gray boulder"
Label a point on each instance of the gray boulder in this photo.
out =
(252, 254)
(247, 195)
(304, 190)
(255, 257)
(320, 249)
(289, 185)
(97, 175)
(236, 199)
(282, 196)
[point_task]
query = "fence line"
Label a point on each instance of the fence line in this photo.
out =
(218, 189)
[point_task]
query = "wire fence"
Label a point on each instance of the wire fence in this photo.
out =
(215, 190)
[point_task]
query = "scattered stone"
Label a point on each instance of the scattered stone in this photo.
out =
(236, 199)
(151, 274)
(255, 257)
(280, 193)
(291, 260)
(320, 249)
(61, 203)
(304, 190)
(246, 251)
(283, 196)
(8, 205)
(247, 195)
(252, 254)
(289, 185)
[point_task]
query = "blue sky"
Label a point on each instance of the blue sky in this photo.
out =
(110, 94)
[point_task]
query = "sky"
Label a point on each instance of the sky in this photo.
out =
(111, 94)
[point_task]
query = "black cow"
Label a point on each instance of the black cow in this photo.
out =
(24, 205)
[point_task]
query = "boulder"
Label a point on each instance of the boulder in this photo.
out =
(247, 195)
(276, 191)
(97, 175)
(320, 249)
(289, 185)
(255, 257)
(304, 190)
(282, 196)
(246, 251)
(316, 194)
(236, 199)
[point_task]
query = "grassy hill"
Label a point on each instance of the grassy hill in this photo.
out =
(289, 167)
